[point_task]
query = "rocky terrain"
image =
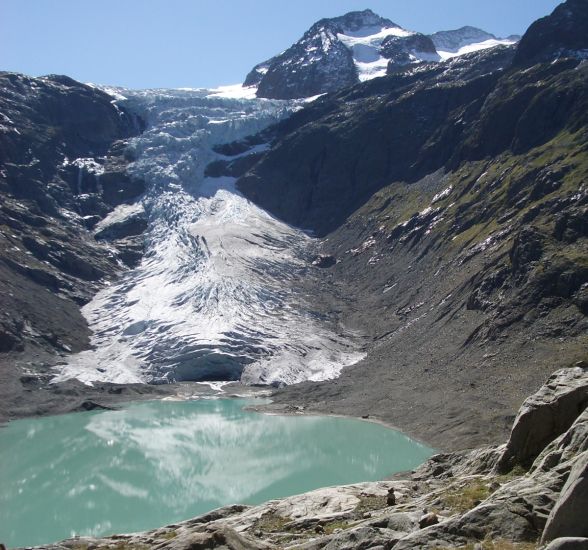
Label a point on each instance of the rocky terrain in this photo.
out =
(451, 240)
(531, 492)
(445, 209)
(460, 216)
(62, 170)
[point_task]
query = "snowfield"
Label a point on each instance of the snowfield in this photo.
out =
(217, 295)
(475, 47)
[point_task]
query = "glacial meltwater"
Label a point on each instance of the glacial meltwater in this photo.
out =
(160, 462)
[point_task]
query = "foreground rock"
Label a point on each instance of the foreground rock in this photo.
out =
(456, 500)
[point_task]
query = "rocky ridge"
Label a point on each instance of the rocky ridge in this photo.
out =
(459, 500)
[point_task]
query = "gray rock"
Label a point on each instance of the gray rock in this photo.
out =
(568, 543)
(569, 517)
(545, 415)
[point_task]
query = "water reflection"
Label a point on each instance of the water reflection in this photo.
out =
(160, 462)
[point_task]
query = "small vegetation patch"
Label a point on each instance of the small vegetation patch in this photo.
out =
(168, 535)
(271, 523)
(331, 527)
(369, 503)
(517, 471)
(468, 496)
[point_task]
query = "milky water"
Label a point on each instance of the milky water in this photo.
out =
(160, 462)
(218, 294)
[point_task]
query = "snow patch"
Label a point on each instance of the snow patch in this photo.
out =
(476, 47)
(365, 45)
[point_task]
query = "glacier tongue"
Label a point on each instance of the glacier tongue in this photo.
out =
(218, 294)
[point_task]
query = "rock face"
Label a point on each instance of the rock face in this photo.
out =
(339, 52)
(568, 517)
(319, 62)
(334, 165)
(545, 415)
(473, 506)
(562, 33)
(62, 170)
(441, 193)
(568, 543)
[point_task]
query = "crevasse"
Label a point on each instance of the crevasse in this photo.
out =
(218, 294)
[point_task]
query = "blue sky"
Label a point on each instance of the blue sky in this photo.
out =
(173, 43)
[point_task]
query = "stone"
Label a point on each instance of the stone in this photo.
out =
(324, 261)
(568, 543)
(569, 517)
(428, 520)
(546, 415)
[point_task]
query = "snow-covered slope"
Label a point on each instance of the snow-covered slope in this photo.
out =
(216, 294)
(466, 40)
(372, 48)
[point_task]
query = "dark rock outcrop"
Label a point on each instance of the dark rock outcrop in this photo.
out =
(406, 50)
(319, 62)
(563, 33)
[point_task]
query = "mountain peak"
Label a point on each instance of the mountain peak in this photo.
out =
(356, 21)
(360, 45)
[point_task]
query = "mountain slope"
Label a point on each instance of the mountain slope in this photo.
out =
(449, 203)
(563, 33)
(452, 201)
(62, 171)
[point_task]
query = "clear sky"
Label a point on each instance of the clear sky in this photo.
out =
(174, 43)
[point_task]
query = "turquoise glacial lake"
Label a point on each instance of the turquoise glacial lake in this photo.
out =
(160, 462)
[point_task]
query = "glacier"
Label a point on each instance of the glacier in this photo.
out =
(219, 293)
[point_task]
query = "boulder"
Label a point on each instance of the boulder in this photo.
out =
(546, 415)
(569, 517)
(568, 543)
(324, 261)
(428, 520)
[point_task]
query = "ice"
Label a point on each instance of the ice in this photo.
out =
(218, 294)
(235, 91)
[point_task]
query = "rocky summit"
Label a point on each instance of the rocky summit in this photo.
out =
(338, 52)
(411, 247)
